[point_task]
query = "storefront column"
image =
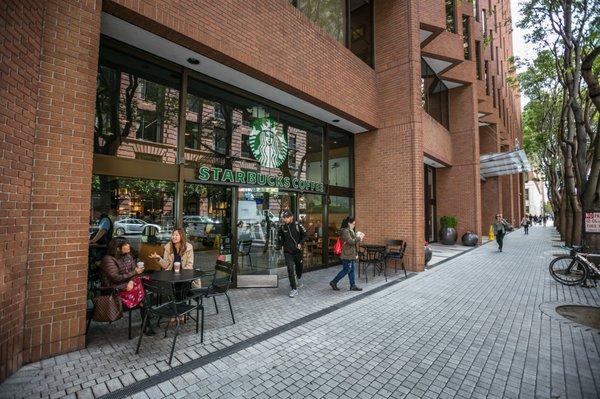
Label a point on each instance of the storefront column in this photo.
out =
(508, 200)
(491, 188)
(459, 187)
(389, 161)
(55, 310)
(22, 25)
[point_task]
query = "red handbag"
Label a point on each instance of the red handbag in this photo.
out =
(337, 247)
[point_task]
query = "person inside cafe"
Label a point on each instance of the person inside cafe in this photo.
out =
(119, 271)
(100, 240)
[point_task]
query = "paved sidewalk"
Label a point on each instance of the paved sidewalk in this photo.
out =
(473, 328)
(477, 327)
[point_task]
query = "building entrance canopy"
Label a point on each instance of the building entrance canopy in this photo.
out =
(503, 163)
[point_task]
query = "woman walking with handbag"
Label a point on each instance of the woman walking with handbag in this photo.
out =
(349, 253)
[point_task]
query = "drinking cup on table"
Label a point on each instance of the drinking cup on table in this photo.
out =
(177, 266)
(140, 265)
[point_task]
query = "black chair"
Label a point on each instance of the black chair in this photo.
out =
(244, 248)
(95, 288)
(171, 309)
(221, 282)
(395, 250)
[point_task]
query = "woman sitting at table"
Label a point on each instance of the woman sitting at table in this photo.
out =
(120, 273)
(178, 250)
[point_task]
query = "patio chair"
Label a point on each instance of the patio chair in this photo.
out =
(221, 282)
(370, 256)
(244, 248)
(95, 288)
(395, 250)
(171, 309)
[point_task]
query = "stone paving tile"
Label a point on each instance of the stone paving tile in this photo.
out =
(109, 359)
(470, 329)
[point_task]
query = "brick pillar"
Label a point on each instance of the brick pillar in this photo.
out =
(20, 35)
(60, 193)
(508, 199)
(491, 188)
(391, 158)
(459, 187)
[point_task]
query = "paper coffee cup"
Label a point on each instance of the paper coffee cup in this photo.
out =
(140, 265)
(177, 266)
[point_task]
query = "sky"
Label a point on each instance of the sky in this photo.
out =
(521, 49)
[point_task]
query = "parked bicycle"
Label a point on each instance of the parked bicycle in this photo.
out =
(575, 268)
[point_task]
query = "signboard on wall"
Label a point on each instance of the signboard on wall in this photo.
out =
(592, 222)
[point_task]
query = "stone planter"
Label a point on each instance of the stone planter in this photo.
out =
(470, 239)
(428, 254)
(448, 235)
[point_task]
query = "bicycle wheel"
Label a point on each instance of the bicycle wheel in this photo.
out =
(568, 270)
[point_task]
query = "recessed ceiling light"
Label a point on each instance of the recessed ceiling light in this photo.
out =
(335, 120)
(193, 61)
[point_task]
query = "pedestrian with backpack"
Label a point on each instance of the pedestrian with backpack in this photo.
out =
(346, 246)
(291, 236)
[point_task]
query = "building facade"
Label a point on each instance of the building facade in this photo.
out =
(215, 116)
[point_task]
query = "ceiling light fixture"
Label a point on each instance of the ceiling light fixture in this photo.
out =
(193, 61)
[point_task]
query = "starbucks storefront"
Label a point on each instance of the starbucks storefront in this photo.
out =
(175, 148)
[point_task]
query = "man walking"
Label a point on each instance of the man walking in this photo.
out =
(499, 225)
(292, 236)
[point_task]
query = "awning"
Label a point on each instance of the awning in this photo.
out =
(503, 163)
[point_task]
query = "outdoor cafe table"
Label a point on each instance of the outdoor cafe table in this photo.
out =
(375, 255)
(169, 276)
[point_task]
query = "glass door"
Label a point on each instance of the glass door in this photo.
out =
(258, 218)
(430, 204)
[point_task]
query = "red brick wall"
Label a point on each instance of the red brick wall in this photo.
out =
(60, 197)
(389, 161)
(269, 40)
(20, 34)
(437, 141)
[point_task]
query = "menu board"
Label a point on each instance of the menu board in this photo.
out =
(592, 222)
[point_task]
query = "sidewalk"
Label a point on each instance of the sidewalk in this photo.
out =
(481, 326)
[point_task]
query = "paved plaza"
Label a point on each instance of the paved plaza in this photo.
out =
(478, 325)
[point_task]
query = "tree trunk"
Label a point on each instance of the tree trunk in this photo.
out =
(562, 227)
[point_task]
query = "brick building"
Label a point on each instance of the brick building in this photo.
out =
(148, 109)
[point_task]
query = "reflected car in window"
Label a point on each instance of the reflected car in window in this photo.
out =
(131, 226)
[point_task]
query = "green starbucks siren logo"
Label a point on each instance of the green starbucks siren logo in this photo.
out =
(268, 145)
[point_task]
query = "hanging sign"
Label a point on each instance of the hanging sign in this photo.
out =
(592, 222)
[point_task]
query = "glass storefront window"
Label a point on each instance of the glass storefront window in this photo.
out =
(258, 219)
(207, 222)
(338, 209)
(137, 108)
(329, 14)
(310, 213)
(340, 148)
(361, 30)
(141, 210)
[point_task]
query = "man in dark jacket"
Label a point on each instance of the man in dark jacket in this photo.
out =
(291, 236)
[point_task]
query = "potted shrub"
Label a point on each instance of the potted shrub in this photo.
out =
(448, 230)
(428, 253)
(470, 239)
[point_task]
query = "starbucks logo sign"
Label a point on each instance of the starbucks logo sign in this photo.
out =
(269, 146)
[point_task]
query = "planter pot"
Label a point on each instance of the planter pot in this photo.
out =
(428, 253)
(448, 235)
(470, 239)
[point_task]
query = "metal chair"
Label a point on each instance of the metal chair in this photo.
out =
(394, 251)
(221, 282)
(244, 248)
(171, 309)
(375, 256)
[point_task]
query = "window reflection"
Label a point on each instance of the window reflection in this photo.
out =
(140, 210)
(310, 212)
(434, 95)
(137, 106)
(339, 208)
(339, 158)
(329, 14)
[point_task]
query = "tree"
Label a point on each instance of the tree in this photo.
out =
(568, 30)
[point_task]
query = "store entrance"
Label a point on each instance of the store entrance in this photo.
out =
(430, 204)
(258, 219)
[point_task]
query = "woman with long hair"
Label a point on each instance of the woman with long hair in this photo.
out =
(349, 256)
(178, 250)
(120, 273)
